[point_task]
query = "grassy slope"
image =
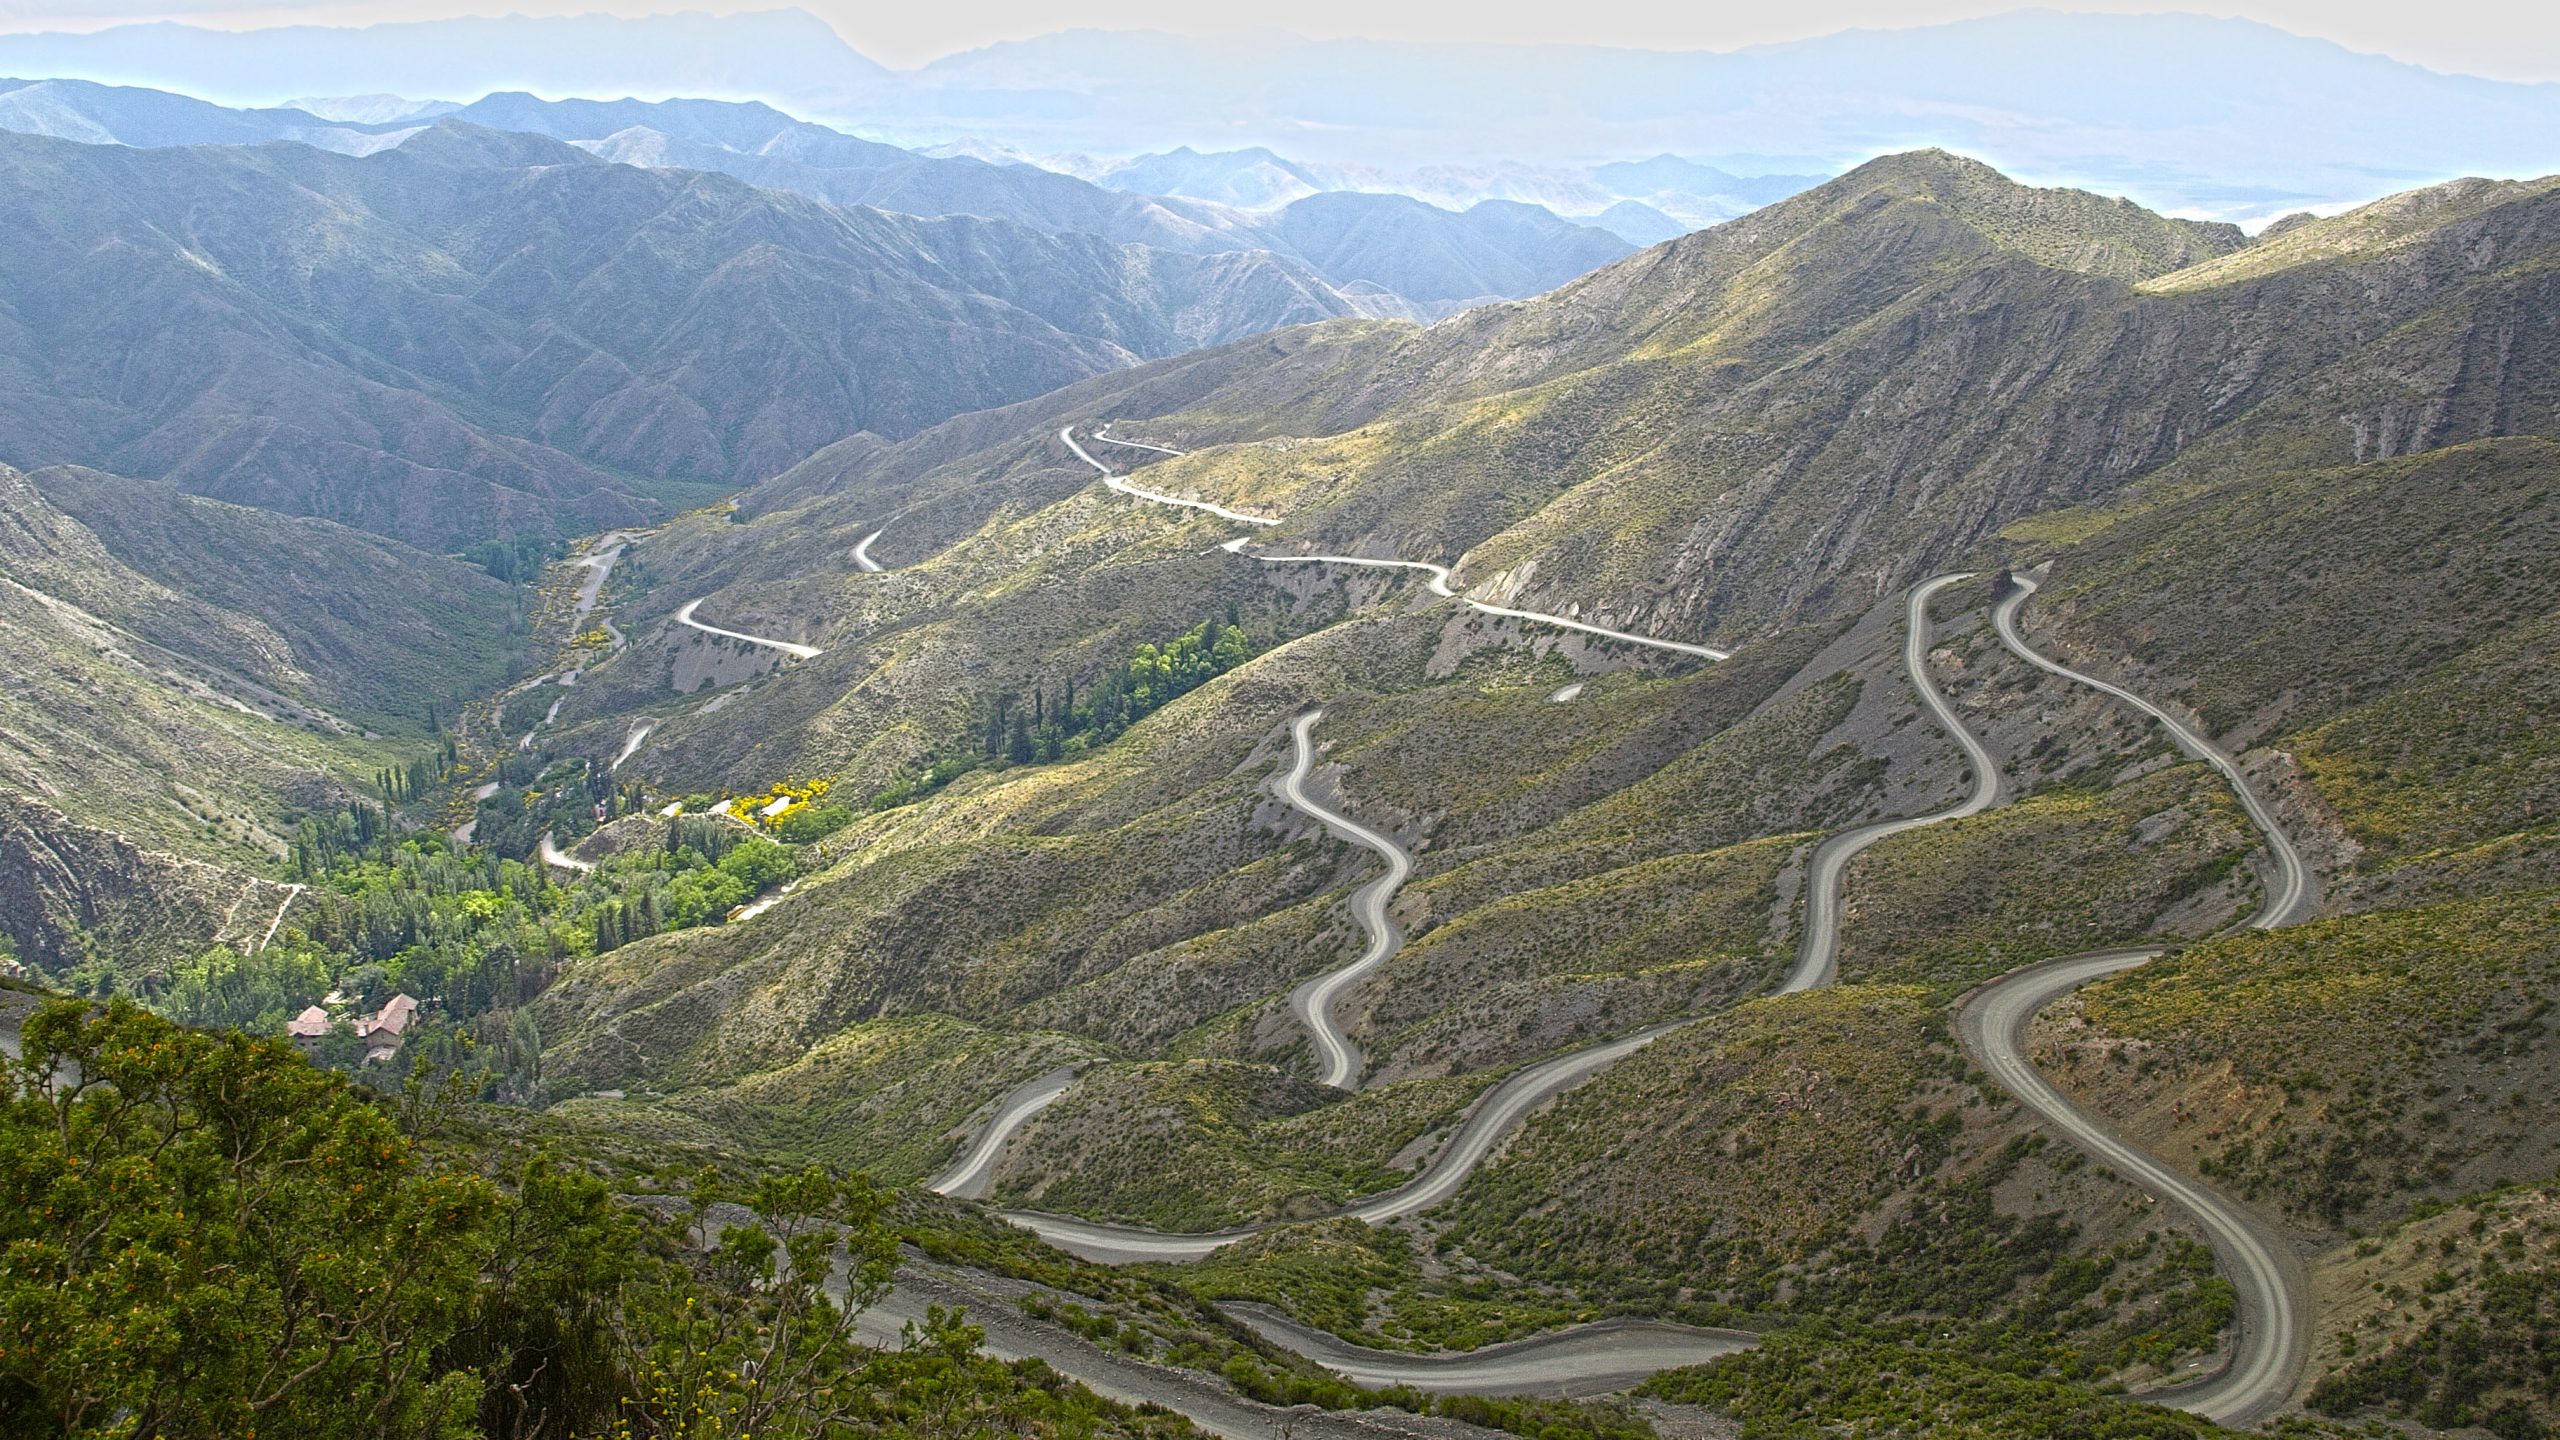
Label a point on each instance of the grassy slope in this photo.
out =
(2337, 1071)
(1716, 1172)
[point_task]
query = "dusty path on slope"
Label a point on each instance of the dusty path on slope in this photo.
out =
(291, 893)
(1337, 1059)
(790, 648)
(862, 553)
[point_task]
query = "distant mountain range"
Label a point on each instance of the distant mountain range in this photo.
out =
(480, 333)
(1509, 252)
(2227, 119)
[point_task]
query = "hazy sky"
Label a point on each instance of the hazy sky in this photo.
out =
(2506, 39)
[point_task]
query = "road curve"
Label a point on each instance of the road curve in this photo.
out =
(1337, 1059)
(862, 553)
(1441, 581)
(968, 1177)
(1508, 1104)
(796, 651)
(1818, 950)
(2288, 896)
(1106, 437)
(2273, 1294)
(552, 854)
(1492, 1121)
(630, 742)
(1119, 482)
(1590, 1359)
(1442, 584)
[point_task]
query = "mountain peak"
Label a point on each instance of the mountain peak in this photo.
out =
(460, 143)
(2063, 228)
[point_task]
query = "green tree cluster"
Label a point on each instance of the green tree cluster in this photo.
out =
(205, 1236)
(1059, 721)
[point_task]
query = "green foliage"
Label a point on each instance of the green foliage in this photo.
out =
(1366, 1284)
(805, 823)
(224, 989)
(207, 1236)
(2494, 1364)
(516, 560)
(1064, 722)
(1196, 1144)
(2056, 873)
(1819, 1383)
(204, 1235)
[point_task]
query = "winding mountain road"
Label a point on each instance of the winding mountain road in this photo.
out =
(787, 647)
(1120, 482)
(1508, 1104)
(1590, 1359)
(1338, 1060)
(862, 553)
(2289, 895)
(2267, 1277)
(1993, 1023)
(968, 1177)
(1818, 949)
(1442, 582)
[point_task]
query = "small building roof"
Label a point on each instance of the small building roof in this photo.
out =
(394, 1017)
(310, 1024)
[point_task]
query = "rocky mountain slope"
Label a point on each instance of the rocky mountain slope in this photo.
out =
(1074, 833)
(1756, 437)
(188, 679)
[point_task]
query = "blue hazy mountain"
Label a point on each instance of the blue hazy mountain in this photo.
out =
(2183, 112)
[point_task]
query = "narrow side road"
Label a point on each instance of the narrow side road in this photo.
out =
(2266, 1276)
(291, 894)
(1337, 1059)
(2289, 896)
(1818, 950)
(796, 651)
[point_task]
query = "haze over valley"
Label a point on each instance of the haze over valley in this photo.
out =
(1139, 734)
